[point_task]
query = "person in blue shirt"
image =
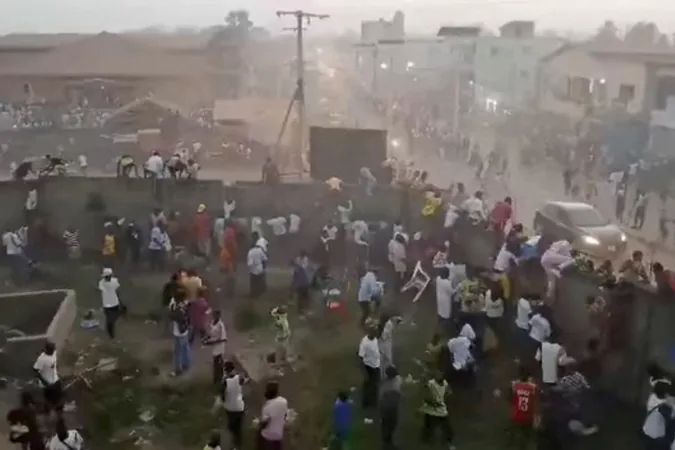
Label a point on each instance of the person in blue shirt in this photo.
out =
(370, 291)
(301, 281)
(342, 420)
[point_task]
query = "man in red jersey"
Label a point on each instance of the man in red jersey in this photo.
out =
(501, 214)
(523, 399)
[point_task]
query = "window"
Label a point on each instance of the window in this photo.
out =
(527, 50)
(524, 74)
(494, 51)
(586, 217)
(578, 89)
(626, 93)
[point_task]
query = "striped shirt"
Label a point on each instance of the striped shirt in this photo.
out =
(72, 239)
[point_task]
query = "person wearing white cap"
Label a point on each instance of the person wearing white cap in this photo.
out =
(109, 285)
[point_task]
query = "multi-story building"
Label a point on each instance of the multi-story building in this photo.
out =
(506, 66)
(376, 30)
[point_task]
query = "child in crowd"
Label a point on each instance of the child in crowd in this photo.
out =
(283, 333)
(342, 420)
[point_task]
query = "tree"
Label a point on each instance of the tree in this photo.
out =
(239, 20)
(607, 33)
(642, 34)
(663, 41)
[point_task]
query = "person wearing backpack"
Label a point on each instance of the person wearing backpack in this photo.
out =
(658, 423)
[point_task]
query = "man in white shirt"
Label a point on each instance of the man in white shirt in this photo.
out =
(540, 328)
(228, 207)
(233, 403)
(108, 285)
(659, 413)
(331, 230)
(256, 260)
(83, 164)
(345, 211)
(278, 225)
(47, 374)
(504, 260)
(475, 207)
(460, 349)
(550, 355)
(294, 223)
(523, 313)
(154, 166)
(369, 352)
(273, 417)
(14, 248)
(217, 337)
(444, 294)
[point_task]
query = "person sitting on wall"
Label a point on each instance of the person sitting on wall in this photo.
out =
(154, 166)
(55, 164)
(192, 169)
(23, 170)
(176, 166)
(126, 165)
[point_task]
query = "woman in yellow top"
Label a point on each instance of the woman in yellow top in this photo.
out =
(109, 248)
(432, 203)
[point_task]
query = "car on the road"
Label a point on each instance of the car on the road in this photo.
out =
(583, 226)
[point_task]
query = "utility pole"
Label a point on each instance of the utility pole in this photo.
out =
(302, 18)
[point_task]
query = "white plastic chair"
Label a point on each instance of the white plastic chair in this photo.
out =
(419, 280)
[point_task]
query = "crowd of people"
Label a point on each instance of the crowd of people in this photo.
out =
(476, 307)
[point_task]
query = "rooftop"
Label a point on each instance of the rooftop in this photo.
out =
(102, 55)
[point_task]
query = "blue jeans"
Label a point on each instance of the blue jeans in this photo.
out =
(181, 353)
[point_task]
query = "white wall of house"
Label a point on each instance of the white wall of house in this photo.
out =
(507, 68)
(577, 79)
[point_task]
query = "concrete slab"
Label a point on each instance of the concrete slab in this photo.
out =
(31, 318)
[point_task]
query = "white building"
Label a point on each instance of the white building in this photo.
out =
(584, 79)
(506, 66)
(376, 30)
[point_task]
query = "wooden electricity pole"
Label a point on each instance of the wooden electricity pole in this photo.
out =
(302, 18)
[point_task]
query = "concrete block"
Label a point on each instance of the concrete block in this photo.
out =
(37, 316)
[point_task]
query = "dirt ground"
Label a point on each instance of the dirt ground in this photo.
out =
(136, 404)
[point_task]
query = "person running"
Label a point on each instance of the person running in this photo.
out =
(232, 398)
(273, 418)
(523, 397)
(342, 420)
(435, 410)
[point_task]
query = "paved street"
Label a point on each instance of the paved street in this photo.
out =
(529, 187)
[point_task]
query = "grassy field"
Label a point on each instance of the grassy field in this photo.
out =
(138, 405)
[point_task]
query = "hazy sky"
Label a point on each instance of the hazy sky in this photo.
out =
(421, 15)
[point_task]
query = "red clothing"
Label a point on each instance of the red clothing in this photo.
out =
(199, 314)
(202, 226)
(230, 242)
(522, 408)
(501, 214)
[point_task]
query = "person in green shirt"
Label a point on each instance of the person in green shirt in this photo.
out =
(283, 333)
(435, 410)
